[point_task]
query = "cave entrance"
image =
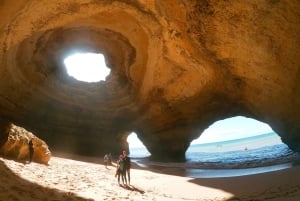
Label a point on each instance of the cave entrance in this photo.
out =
(238, 142)
(136, 148)
(87, 67)
(233, 129)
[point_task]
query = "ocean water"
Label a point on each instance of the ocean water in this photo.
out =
(259, 152)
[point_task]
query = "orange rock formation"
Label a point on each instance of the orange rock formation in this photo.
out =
(16, 146)
(176, 68)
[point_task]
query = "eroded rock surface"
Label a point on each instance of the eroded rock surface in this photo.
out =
(16, 146)
(176, 68)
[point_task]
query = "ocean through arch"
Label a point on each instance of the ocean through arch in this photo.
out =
(237, 129)
(231, 147)
(136, 148)
(238, 143)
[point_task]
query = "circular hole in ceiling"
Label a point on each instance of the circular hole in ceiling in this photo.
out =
(87, 67)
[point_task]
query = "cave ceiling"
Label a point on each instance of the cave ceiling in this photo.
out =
(176, 68)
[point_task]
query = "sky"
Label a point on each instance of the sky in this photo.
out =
(87, 67)
(233, 128)
(90, 67)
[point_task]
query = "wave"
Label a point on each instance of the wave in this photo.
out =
(264, 156)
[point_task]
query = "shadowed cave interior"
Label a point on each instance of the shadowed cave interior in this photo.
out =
(173, 72)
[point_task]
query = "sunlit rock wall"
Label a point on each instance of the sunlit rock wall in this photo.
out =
(16, 146)
(176, 68)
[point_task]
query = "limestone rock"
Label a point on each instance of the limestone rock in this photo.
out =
(4, 131)
(176, 68)
(16, 146)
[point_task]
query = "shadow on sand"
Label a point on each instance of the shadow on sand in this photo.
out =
(273, 185)
(13, 187)
(132, 188)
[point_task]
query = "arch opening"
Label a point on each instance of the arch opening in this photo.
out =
(239, 142)
(87, 67)
(136, 148)
(234, 129)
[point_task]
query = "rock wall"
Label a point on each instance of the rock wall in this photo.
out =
(176, 68)
(16, 146)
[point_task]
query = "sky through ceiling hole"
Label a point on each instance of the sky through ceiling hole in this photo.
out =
(87, 67)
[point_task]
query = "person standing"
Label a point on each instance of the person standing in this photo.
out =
(31, 150)
(120, 172)
(127, 164)
(105, 159)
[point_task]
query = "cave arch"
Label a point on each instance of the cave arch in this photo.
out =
(233, 128)
(136, 147)
(239, 142)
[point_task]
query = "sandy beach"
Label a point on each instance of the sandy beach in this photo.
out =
(66, 179)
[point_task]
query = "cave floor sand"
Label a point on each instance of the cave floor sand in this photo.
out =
(66, 179)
